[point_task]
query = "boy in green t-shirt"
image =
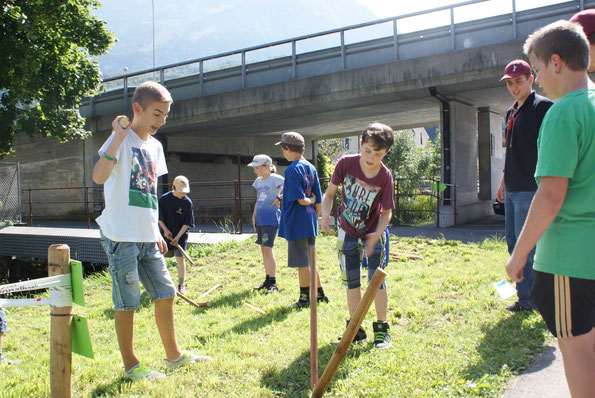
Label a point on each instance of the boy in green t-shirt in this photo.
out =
(561, 220)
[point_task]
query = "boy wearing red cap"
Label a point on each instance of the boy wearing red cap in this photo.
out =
(586, 19)
(517, 186)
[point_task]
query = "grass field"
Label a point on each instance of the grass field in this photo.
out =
(451, 335)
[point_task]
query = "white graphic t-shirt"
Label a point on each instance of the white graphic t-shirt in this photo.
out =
(130, 192)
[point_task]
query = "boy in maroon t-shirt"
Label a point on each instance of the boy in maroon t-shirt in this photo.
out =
(367, 201)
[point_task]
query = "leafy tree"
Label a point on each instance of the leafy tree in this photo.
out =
(47, 67)
(325, 170)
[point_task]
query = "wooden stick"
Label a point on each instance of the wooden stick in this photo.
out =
(313, 319)
(409, 256)
(60, 328)
(349, 334)
(194, 303)
(254, 308)
(186, 256)
(209, 291)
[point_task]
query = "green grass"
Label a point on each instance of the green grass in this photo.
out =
(451, 335)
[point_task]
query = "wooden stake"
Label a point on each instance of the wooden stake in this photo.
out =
(349, 334)
(313, 319)
(200, 304)
(186, 256)
(209, 291)
(60, 329)
(254, 308)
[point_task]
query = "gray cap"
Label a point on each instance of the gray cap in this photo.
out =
(292, 138)
(261, 160)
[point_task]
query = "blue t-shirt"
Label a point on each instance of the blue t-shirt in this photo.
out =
(267, 191)
(297, 221)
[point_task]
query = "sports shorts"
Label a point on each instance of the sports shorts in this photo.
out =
(265, 235)
(298, 252)
(566, 304)
(350, 250)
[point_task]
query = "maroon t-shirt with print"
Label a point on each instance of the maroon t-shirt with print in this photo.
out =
(363, 199)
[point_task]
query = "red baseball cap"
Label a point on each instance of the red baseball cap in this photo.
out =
(586, 19)
(516, 68)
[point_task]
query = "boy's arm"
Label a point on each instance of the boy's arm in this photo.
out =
(166, 231)
(545, 207)
(373, 237)
(254, 216)
(182, 232)
(326, 206)
(103, 168)
(500, 194)
(307, 201)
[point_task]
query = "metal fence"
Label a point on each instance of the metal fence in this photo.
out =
(10, 193)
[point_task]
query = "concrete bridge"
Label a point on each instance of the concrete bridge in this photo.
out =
(241, 101)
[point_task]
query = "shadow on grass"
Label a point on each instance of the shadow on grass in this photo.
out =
(514, 342)
(110, 389)
(294, 381)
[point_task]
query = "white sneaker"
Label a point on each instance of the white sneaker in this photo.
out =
(140, 372)
(185, 359)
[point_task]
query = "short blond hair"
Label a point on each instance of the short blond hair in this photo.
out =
(564, 38)
(151, 91)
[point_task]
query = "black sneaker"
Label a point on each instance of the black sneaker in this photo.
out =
(359, 336)
(301, 303)
(262, 286)
(272, 288)
(517, 307)
(381, 335)
(322, 299)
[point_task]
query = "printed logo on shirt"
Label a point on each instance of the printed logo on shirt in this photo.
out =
(309, 184)
(263, 193)
(359, 197)
(179, 211)
(143, 180)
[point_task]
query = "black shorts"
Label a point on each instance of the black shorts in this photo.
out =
(566, 304)
(172, 250)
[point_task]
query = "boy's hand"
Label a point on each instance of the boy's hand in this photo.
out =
(174, 241)
(371, 240)
(162, 245)
(325, 221)
(121, 126)
(515, 266)
(276, 203)
(168, 234)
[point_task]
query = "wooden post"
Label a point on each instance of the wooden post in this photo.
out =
(60, 329)
(349, 334)
(313, 319)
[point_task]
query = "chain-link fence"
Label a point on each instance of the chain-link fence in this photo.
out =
(10, 193)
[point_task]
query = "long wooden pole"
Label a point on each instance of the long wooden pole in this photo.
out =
(60, 329)
(313, 319)
(349, 334)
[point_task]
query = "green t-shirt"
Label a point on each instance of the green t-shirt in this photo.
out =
(566, 148)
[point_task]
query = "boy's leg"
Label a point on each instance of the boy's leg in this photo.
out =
(164, 318)
(579, 363)
(268, 258)
(124, 323)
(181, 264)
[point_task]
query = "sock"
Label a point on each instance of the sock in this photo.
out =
(180, 281)
(267, 279)
(320, 292)
(305, 293)
(272, 280)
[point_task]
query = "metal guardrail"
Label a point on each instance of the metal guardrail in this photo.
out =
(244, 68)
(425, 187)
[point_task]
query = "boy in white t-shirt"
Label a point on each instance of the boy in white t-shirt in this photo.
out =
(130, 162)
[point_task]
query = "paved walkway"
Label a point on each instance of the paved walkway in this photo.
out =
(545, 377)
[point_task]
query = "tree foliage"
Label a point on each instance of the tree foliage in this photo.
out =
(47, 66)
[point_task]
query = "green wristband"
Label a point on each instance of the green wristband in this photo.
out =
(107, 157)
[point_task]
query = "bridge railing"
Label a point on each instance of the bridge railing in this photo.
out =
(242, 68)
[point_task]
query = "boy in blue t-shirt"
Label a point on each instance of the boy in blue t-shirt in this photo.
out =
(299, 214)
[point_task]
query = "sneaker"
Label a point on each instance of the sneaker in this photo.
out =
(381, 335)
(262, 286)
(141, 371)
(359, 336)
(301, 303)
(6, 361)
(186, 359)
(517, 307)
(322, 299)
(272, 288)
(182, 289)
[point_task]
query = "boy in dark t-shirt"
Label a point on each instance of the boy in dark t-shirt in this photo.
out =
(367, 201)
(176, 215)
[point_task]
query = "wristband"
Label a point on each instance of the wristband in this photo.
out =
(107, 157)
(279, 198)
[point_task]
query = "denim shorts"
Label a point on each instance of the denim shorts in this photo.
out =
(3, 322)
(131, 262)
(265, 235)
(350, 250)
